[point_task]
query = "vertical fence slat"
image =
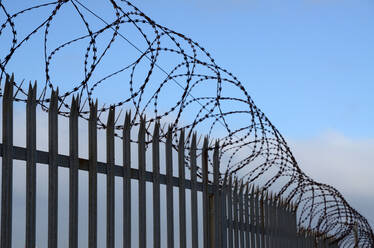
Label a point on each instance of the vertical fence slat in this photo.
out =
(127, 181)
(31, 167)
(194, 225)
(110, 190)
(267, 220)
(204, 163)
(241, 215)
(272, 223)
(53, 170)
(182, 192)
(142, 190)
(277, 222)
(156, 186)
(280, 223)
(286, 226)
(282, 226)
(294, 225)
(289, 225)
(73, 174)
(92, 176)
(223, 213)
(7, 165)
(229, 213)
(257, 218)
(262, 218)
(252, 217)
(246, 213)
(236, 216)
(169, 189)
(217, 211)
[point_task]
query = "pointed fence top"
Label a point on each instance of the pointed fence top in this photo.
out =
(8, 89)
(181, 138)
(127, 121)
(156, 131)
(111, 116)
(54, 100)
(31, 94)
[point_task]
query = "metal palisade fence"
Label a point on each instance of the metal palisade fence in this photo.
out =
(234, 214)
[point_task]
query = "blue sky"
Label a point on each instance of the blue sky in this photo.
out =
(307, 64)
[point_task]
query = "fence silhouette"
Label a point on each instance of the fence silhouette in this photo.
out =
(207, 97)
(235, 214)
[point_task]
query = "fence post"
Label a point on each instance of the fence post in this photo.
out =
(126, 181)
(217, 210)
(169, 188)
(289, 225)
(110, 190)
(229, 212)
(267, 220)
(156, 186)
(182, 192)
(31, 167)
(272, 220)
(73, 174)
(92, 176)
(257, 216)
(262, 216)
(206, 200)
(241, 215)
(236, 217)
(246, 211)
(294, 216)
(252, 217)
(194, 225)
(7, 167)
(53, 170)
(142, 189)
(223, 213)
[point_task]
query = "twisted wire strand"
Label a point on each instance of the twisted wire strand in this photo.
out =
(192, 93)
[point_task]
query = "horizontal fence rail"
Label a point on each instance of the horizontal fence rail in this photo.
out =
(235, 215)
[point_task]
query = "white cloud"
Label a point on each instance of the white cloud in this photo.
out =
(342, 162)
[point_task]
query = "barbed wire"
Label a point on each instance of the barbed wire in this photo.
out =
(173, 80)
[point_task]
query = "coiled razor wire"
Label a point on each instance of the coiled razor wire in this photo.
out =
(172, 80)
